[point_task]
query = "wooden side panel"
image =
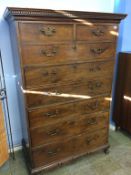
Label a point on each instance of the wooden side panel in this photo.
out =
(126, 98)
(119, 89)
(19, 82)
(122, 105)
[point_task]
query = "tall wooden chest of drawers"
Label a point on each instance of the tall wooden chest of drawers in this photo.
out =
(64, 64)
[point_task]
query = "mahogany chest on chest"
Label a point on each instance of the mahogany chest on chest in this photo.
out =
(64, 63)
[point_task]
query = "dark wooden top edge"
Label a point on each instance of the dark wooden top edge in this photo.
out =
(18, 13)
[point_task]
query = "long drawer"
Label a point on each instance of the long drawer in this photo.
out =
(67, 128)
(56, 113)
(67, 149)
(64, 53)
(69, 92)
(68, 73)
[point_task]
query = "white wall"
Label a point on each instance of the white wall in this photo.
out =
(83, 5)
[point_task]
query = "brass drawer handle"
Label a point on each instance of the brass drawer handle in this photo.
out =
(93, 85)
(91, 121)
(53, 152)
(48, 114)
(49, 52)
(52, 114)
(94, 68)
(53, 132)
(88, 141)
(98, 32)
(54, 72)
(98, 50)
(93, 105)
(74, 47)
(48, 31)
(98, 84)
(56, 92)
(54, 77)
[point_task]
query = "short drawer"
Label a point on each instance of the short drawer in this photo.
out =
(69, 92)
(56, 113)
(64, 53)
(43, 32)
(95, 32)
(57, 152)
(38, 76)
(67, 128)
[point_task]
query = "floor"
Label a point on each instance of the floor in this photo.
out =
(117, 162)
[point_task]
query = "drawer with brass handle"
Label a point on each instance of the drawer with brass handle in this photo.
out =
(42, 32)
(68, 128)
(53, 152)
(93, 105)
(48, 30)
(53, 132)
(63, 93)
(97, 32)
(52, 114)
(65, 53)
(46, 115)
(98, 51)
(50, 52)
(69, 73)
(93, 85)
(70, 147)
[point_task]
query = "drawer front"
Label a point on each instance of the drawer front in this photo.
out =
(67, 149)
(64, 53)
(57, 113)
(67, 128)
(57, 94)
(35, 76)
(40, 32)
(96, 32)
